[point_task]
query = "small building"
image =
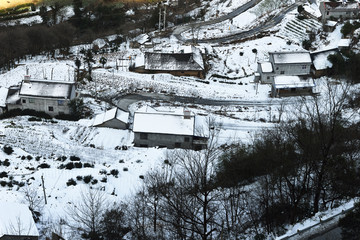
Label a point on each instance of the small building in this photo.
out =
(182, 63)
(51, 97)
(339, 10)
(344, 44)
(170, 129)
(266, 72)
(16, 222)
(284, 86)
(321, 64)
(113, 118)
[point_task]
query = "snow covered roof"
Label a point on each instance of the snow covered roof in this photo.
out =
(331, 23)
(312, 9)
(344, 42)
(292, 82)
(340, 6)
(16, 219)
(320, 59)
(173, 61)
(114, 113)
(142, 38)
(49, 89)
(148, 120)
(3, 96)
(266, 67)
(290, 57)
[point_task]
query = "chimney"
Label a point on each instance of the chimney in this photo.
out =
(187, 114)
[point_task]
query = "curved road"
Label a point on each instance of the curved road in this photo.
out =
(237, 36)
(123, 101)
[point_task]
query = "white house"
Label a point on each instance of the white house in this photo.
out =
(294, 63)
(113, 118)
(291, 85)
(51, 97)
(16, 222)
(171, 129)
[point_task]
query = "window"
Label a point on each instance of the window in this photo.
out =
(282, 72)
(327, 13)
(143, 136)
(303, 66)
(186, 139)
(277, 68)
(268, 77)
(60, 102)
(24, 101)
(31, 100)
(177, 145)
(51, 109)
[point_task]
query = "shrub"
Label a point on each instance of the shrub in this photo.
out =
(103, 171)
(74, 158)
(3, 175)
(95, 181)
(70, 182)
(3, 183)
(79, 178)
(6, 163)
(114, 172)
(125, 169)
(104, 180)
(44, 165)
(141, 176)
(29, 157)
(23, 157)
(78, 165)
(8, 150)
(87, 178)
(69, 166)
(88, 165)
(37, 158)
(10, 184)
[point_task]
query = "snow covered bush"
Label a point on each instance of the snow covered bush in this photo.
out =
(8, 150)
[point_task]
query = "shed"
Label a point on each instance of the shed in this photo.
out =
(16, 222)
(321, 62)
(113, 118)
(291, 86)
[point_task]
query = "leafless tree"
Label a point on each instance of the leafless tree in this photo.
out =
(87, 213)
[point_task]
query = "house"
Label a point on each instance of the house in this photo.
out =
(182, 63)
(51, 97)
(16, 222)
(284, 63)
(339, 10)
(113, 118)
(344, 44)
(171, 129)
(321, 64)
(291, 85)
(3, 94)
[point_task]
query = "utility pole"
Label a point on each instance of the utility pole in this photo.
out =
(162, 16)
(43, 185)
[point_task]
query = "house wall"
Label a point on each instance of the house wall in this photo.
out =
(114, 123)
(292, 69)
(162, 140)
(15, 237)
(193, 73)
(59, 106)
(283, 92)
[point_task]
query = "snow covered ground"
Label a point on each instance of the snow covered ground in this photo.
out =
(231, 77)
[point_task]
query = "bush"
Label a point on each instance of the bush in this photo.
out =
(104, 180)
(25, 112)
(74, 158)
(78, 165)
(125, 169)
(95, 181)
(3, 183)
(29, 157)
(3, 175)
(69, 166)
(103, 171)
(44, 165)
(6, 163)
(87, 178)
(114, 172)
(79, 178)
(8, 150)
(71, 182)
(88, 165)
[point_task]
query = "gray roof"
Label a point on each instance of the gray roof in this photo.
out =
(172, 61)
(46, 89)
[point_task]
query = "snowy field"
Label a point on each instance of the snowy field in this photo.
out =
(44, 142)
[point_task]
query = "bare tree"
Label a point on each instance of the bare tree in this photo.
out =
(86, 215)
